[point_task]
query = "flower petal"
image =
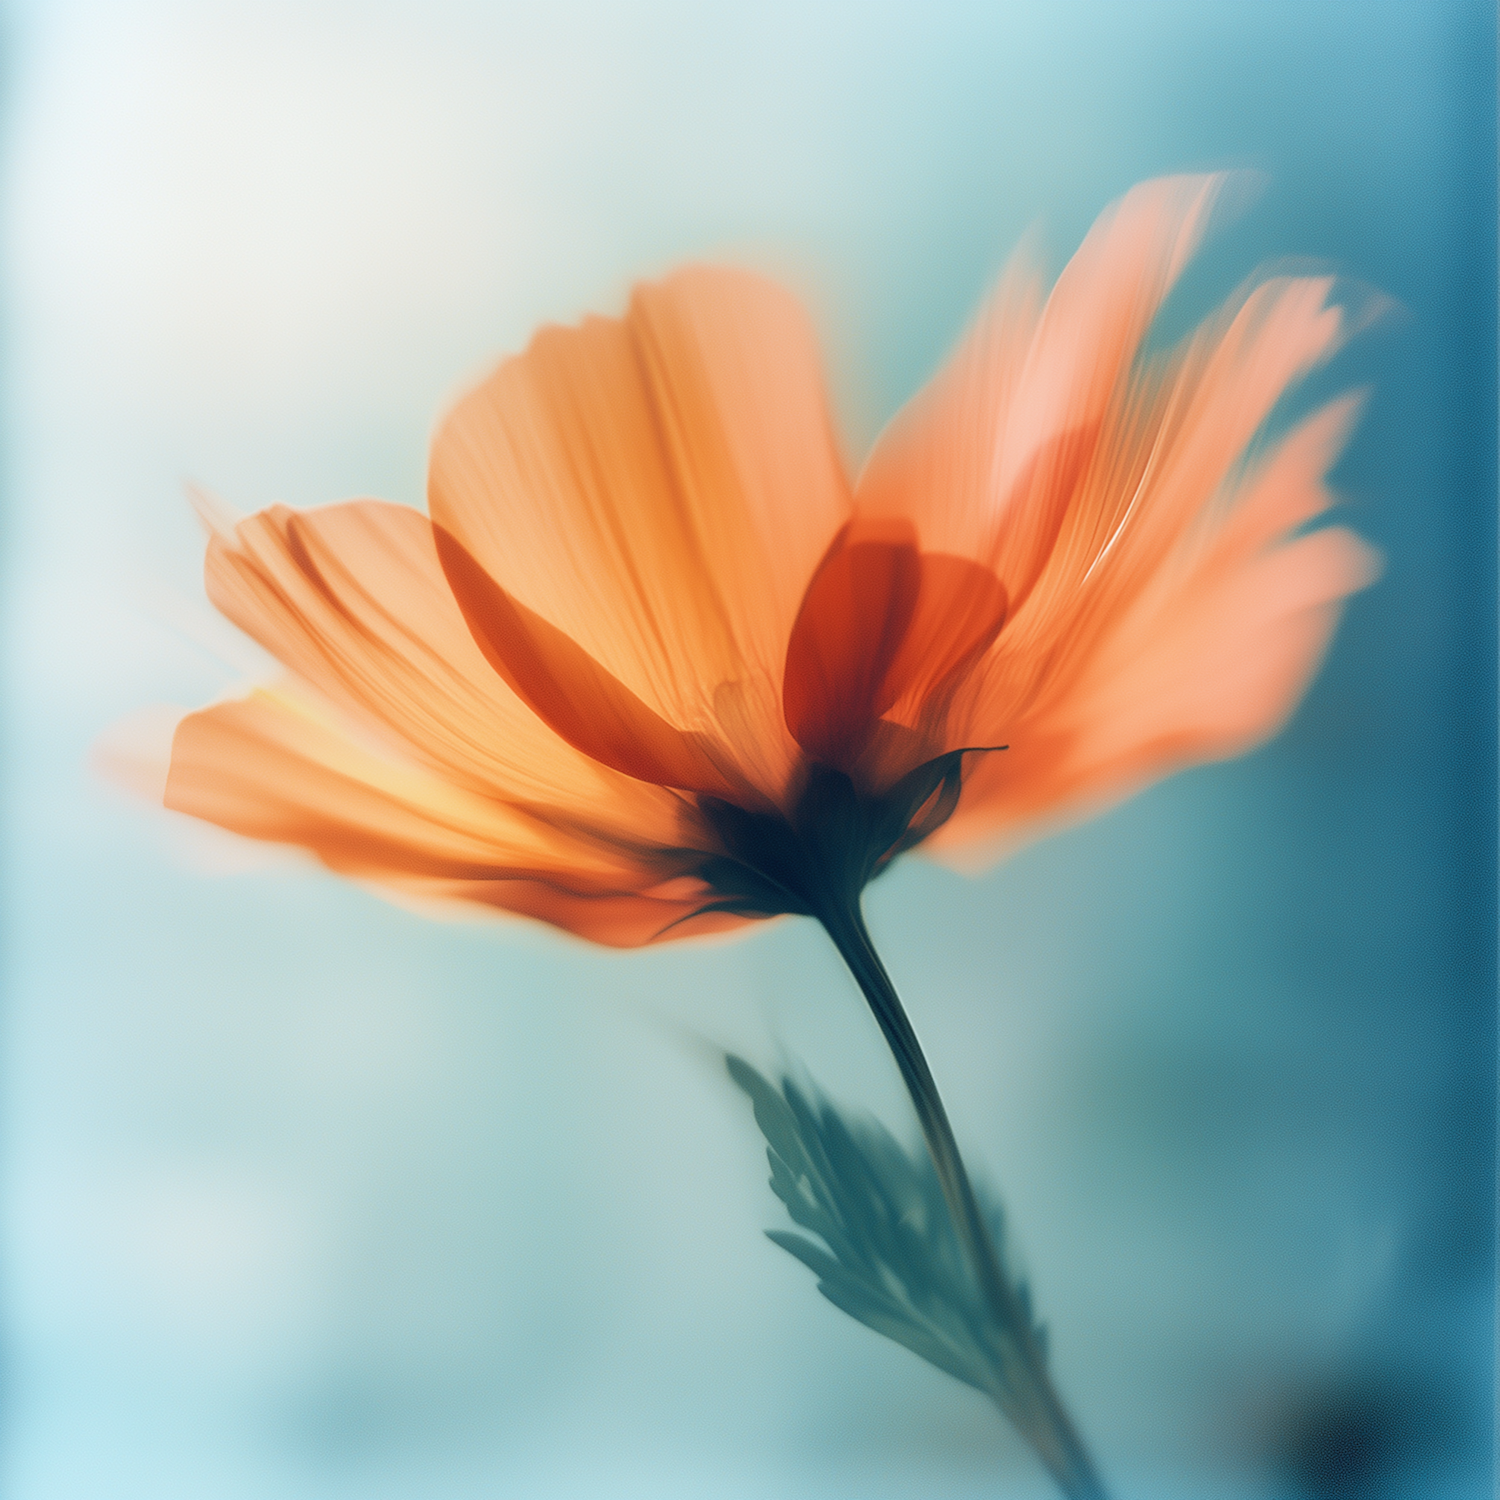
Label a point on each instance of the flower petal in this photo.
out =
(960, 609)
(848, 632)
(1201, 670)
(1169, 451)
(592, 710)
(884, 629)
(1164, 478)
(273, 767)
(987, 458)
(353, 598)
(659, 488)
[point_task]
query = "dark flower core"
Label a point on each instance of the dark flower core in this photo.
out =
(816, 862)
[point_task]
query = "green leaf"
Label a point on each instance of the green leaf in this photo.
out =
(889, 1257)
(819, 1262)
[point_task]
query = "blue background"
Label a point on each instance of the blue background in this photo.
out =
(307, 1196)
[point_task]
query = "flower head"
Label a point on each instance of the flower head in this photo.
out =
(653, 666)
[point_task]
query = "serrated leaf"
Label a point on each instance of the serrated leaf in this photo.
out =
(950, 1359)
(892, 1259)
(772, 1114)
(819, 1262)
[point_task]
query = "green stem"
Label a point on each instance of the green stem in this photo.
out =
(1024, 1392)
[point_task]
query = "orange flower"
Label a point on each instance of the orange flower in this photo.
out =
(653, 667)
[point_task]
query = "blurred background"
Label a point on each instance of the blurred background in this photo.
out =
(305, 1196)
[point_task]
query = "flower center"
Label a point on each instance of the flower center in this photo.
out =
(816, 861)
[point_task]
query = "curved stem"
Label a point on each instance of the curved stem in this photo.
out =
(1027, 1397)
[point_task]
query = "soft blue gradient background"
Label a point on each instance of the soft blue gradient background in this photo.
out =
(307, 1197)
